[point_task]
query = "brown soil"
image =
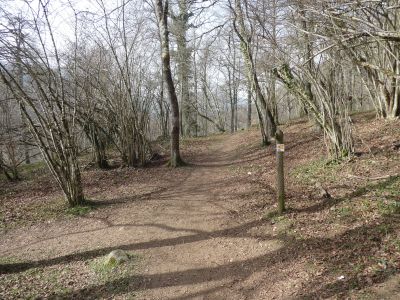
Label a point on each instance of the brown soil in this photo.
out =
(203, 231)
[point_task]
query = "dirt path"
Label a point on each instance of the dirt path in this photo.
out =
(192, 242)
(202, 231)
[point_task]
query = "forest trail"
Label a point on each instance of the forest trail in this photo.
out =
(188, 234)
(201, 251)
(205, 231)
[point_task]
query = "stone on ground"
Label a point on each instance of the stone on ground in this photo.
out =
(116, 257)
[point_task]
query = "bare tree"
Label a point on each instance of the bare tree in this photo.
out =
(161, 9)
(368, 33)
(267, 123)
(180, 29)
(46, 103)
(10, 136)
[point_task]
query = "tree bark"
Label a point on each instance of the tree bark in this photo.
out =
(20, 77)
(162, 16)
(188, 120)
(248, 106)
(72, 185)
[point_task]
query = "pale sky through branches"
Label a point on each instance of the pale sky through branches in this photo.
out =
(62, 15)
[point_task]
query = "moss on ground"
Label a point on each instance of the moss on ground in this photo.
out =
(112, 271)
(79, 210)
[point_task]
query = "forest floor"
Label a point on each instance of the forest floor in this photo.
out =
(208, 230)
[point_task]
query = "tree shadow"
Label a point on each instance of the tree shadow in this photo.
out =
(361, 191)
(364, 244)
(223, 163)
(176, 190)
(358, 242)
(292, 145)
(238, 231)
(172, 184)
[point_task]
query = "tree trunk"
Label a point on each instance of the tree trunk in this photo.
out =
(231, 100)
(20, 77)
(273, 102)
(188, 120)
(264, 137)
(162, 15)
(163, 110)
(97, 139)
(72, 185)
(99, 155)
(248, 105)
(267, 116)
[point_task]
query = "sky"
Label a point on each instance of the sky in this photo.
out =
(62, 18)
(61, 13)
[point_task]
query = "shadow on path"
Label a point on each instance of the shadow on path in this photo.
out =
(318, 248)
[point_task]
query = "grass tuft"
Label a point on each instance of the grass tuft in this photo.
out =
(112, 270)
(79, 210)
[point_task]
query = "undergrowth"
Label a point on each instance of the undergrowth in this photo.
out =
(320, 170)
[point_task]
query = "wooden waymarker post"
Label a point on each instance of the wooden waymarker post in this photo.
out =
(280, 179)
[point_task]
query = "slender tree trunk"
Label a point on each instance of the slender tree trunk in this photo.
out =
(188, 116)
(163, 112)
(235, 95)
(231, 100)
(20, 77)
(196, 125)
(264, 136)
(162, 16)
(236, 107)
(268, 119)
(248, 105)
(231, 83)
(274, 103)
